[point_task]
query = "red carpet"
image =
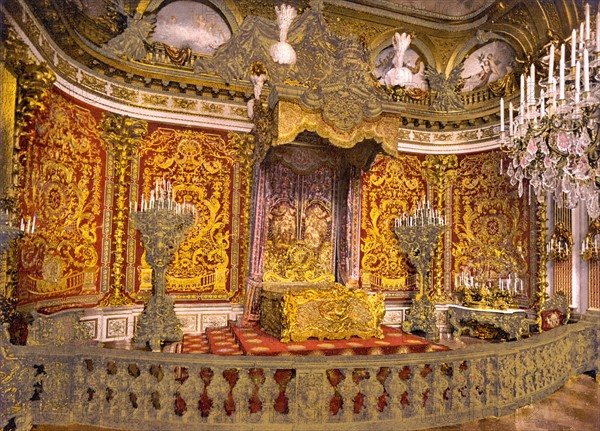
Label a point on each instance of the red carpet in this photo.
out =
(234, 340)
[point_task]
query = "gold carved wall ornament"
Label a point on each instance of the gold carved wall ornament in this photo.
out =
(124, 136)
(440, 171)
(62, 184)
(391, 187)
(205, 169)
(490, 222)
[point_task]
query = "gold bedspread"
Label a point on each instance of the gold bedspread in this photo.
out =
(332, 312)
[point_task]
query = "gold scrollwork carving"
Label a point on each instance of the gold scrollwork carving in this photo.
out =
(490, 222)
(123, 136)
(63, 187)
(203, 169)
(335, 314)
(390, 188)
(440, 171)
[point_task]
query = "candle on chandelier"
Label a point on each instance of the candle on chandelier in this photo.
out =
(587, 21)
(598, 32)
(562, 73)
(577, 80)
(502, 114)
(522, 106)
(581, 35)
(551, 64)
(573, 47)
(531, 95)
(510, 118)
(586, 71)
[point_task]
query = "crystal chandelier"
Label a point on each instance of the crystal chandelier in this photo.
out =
(552, 137)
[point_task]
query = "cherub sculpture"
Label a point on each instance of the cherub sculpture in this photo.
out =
(399, 75)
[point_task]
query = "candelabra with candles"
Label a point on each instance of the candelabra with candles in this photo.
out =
(480, 292)
(561, 243)
(590, 246)
(553, 141)
(418, 234)
(162, 223)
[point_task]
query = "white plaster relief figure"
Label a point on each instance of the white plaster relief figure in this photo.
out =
(399, 75)
(282, 52)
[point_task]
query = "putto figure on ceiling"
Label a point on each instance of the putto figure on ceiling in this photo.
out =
(399, 74)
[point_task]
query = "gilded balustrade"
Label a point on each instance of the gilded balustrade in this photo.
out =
(138, 390)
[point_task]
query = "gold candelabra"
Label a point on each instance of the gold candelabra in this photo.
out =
(418, 234)
(477, 292)
(162, 223)
(590, 246)
(561, 243)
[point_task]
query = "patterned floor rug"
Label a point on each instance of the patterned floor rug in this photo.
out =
(234, 340)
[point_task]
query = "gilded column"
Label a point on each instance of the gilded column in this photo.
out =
(563, 263)
(541, 294)
(440, 171)
(123, 135)
(23, 85)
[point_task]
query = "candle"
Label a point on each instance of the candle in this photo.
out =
(532, 95)
(551, 64)
(522, 89)
(33, 224)
(510, 118)
(562, 79)
(598, 32)
(586, 70)
(577, 79)
(502, 114)
(587, 21)
(573, 47)
(581, 35)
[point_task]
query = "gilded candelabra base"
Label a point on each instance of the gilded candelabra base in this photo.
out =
(421, 317)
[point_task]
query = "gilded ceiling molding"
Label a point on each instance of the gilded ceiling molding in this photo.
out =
(105, 93)
(451, 142)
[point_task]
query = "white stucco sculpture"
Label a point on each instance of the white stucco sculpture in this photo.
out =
(282, 52)
(399, 75)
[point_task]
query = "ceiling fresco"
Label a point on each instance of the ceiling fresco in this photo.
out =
(452, 8)
(188, 24)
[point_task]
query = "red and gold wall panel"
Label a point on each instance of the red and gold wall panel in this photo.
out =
(491, 223)
(63, 155)
(391, 187)
(210, 170)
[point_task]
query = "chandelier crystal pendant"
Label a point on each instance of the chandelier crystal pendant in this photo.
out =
(553, 134)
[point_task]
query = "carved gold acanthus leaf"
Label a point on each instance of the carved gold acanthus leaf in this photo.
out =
(293, 120)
